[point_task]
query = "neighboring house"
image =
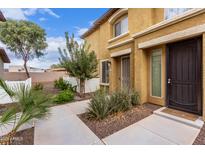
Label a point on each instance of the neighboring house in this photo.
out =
(20, 68)
(158, 52)
(3, 56)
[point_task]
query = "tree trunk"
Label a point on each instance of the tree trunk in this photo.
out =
(82, 88)
(25, 66)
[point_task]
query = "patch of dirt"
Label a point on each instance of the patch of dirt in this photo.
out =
(86, 97)
(200, 140)
(116, 122)
(24, 137)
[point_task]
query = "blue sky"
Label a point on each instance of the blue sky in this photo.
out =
(55, 22)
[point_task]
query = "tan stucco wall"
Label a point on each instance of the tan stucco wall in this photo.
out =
(141, 77)
(115, 74)
(94, 40)
(36, 77)
(140, 19)
(194, 21)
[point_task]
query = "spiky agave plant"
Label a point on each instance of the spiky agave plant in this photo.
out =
(31, 105)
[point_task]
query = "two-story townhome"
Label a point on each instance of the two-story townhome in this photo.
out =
(3, 56)
(158, 52)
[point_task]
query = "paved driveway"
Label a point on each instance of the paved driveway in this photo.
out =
(154, 130)
(64, 127)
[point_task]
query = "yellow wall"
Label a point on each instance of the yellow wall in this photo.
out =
(142, 60)
(138, 20)
(194, 21)
(100, 37)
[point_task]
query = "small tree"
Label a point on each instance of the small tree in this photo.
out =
(26, 39)
(79, 61)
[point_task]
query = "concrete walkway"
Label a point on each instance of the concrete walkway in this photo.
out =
(64, 127)
(154, 130)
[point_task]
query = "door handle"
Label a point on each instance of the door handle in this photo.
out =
(169, 81)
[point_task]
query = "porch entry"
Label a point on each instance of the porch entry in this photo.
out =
(184, 75)
(125, 72)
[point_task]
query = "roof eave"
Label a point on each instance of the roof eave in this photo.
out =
(99, 21)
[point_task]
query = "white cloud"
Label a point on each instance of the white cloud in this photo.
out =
(54, 43)
(42, 19)
(16, 14)
(81, 31)
(33, 11)
(22, 14)
(49, 11)
(51, 56)
(91, 22)
(30, 12)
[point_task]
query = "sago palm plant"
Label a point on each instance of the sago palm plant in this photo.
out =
(31, 105)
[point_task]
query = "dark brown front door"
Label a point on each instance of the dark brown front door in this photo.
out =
(184, 77)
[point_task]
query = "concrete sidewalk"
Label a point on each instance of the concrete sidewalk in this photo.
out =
(154, 130)
(64, 127)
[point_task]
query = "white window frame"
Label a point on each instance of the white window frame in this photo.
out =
(117, 21)
(101, 61)
(165, 12)
(155, 50)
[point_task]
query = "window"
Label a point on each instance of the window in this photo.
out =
(105, 71)
(171, 12)
(121, 26)
(156, 73)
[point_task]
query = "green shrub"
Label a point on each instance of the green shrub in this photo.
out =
(120, 101)
(64, 85)
(102, 105)
(135, 98)
(38, 86)
(64, 96)
(99, 107)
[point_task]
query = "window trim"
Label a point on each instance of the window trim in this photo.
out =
(117, 21)
(101, 83)
(117, 15)
(155, 50)
(118, 37)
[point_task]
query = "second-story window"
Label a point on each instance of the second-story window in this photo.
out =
(121, 26)
(171, 12)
